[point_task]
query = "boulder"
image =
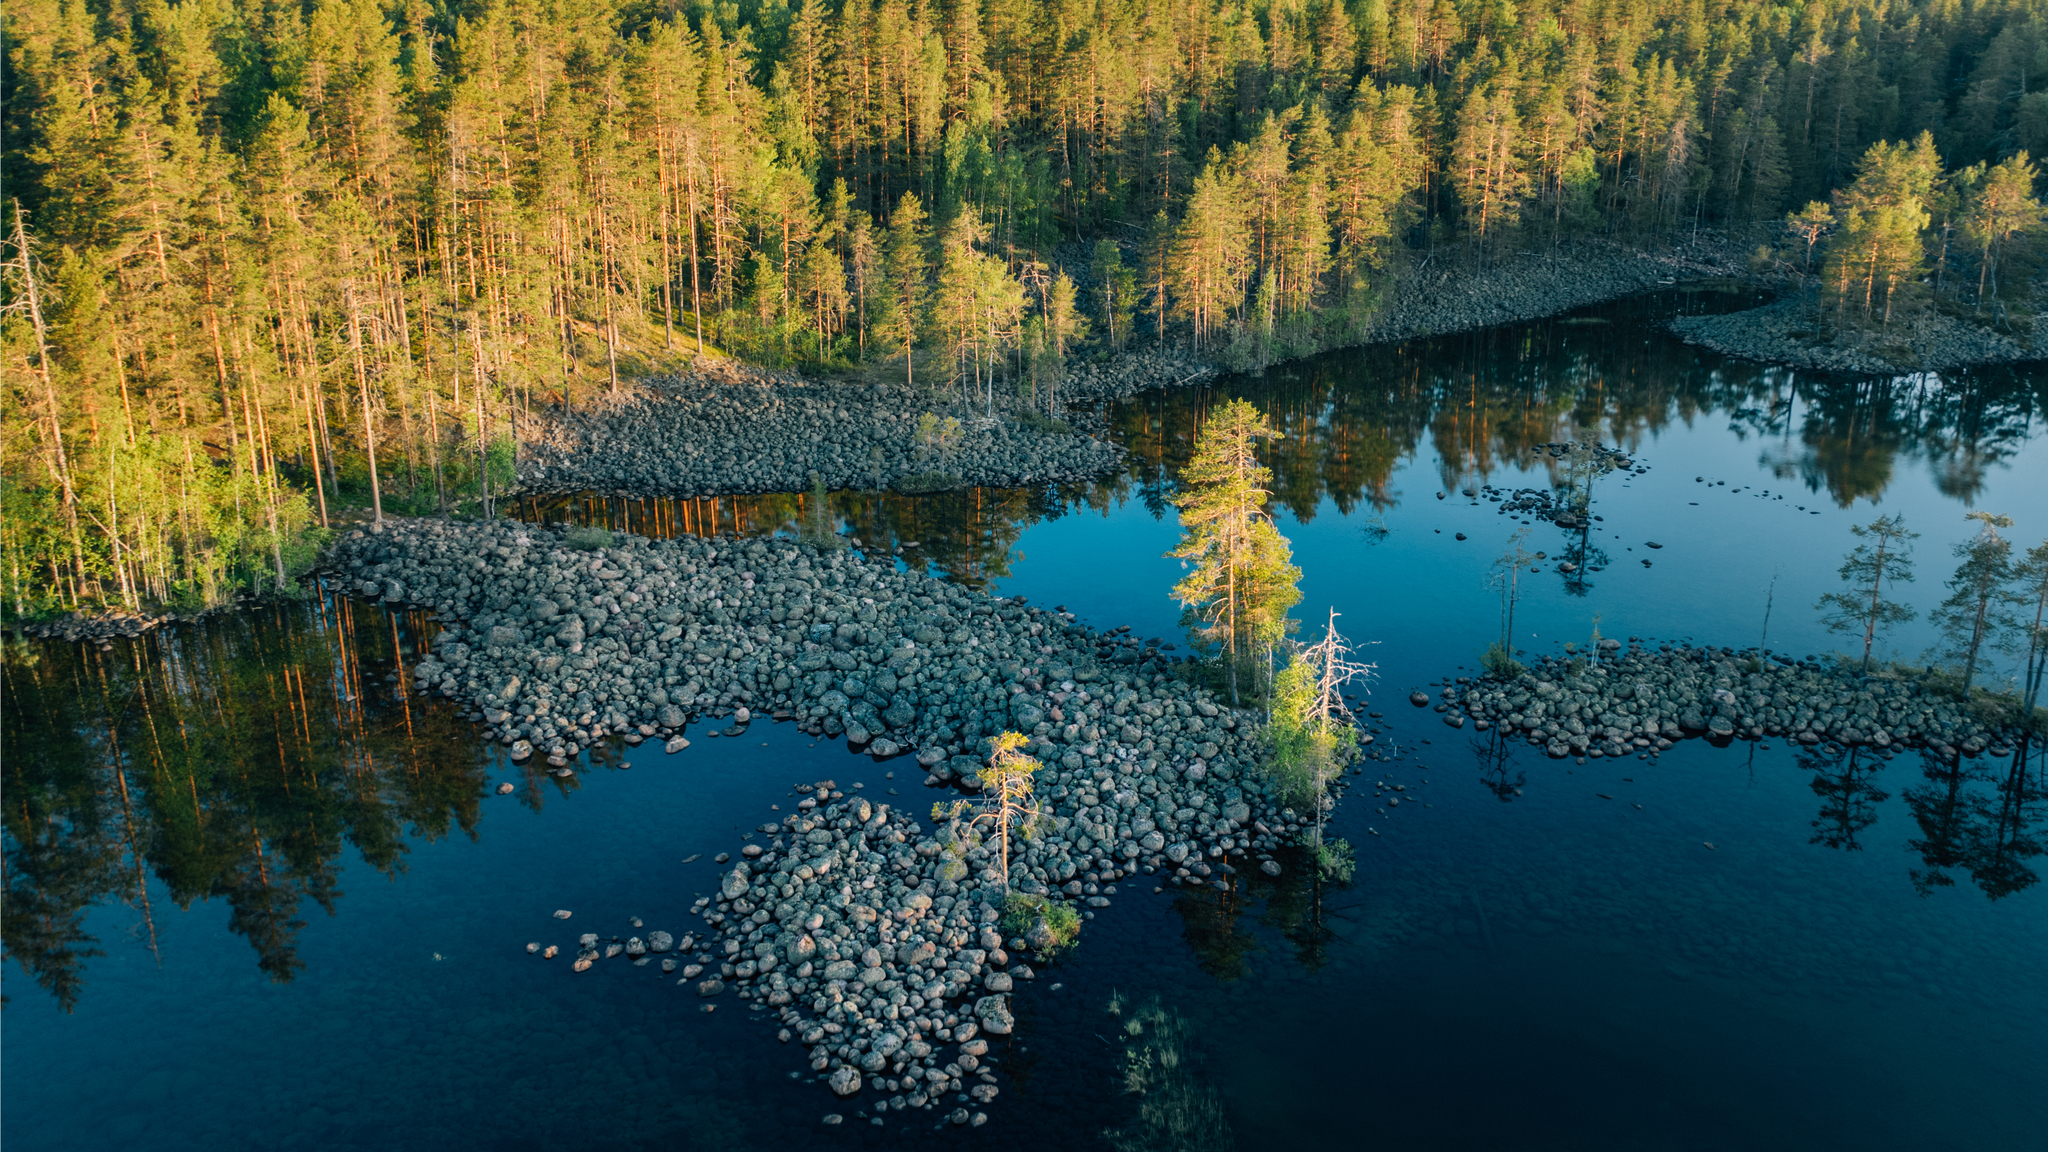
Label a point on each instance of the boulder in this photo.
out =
(993, 1012)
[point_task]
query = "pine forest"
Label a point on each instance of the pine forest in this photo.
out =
(270, 263)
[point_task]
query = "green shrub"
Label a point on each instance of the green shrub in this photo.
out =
(1022, 913)
(1336, 860)
(1500, 662)
(588, 537)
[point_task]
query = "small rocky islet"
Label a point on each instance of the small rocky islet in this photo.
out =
(1616, 701)
(884, 932)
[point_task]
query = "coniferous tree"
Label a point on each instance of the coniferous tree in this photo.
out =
(904, 263)
(1117, 290)
(1884, 558)
(1241, 580)
(1975, 610)
(2003, 208)
(2030, 586)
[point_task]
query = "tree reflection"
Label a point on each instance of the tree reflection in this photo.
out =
(1209, 920)
(1483, 402)
(1489, 401)
(1842, 778)
(1989, 833)
(233, 758)
(1497, 754)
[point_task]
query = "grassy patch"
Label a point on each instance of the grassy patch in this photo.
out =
(588, 538)
(1499, 662)
(1336, 860)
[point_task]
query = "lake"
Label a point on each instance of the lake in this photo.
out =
(259, 895)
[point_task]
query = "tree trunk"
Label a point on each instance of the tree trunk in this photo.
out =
(355, 346)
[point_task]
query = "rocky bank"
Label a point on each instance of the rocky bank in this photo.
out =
(1799, 332)
(729, 428)
(1432, 301)
(1620, 702)
(872, 936)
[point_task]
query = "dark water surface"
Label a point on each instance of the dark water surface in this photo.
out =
(256, 897)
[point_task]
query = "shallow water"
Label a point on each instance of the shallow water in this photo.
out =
(1521, 961)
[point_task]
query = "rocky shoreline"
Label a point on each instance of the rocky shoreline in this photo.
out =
(1618, 702)
(97, 627)
(1534, 285)
(874, 938)
(1797, 332)
(729, 428)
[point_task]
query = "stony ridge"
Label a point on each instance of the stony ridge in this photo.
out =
(1532, 285)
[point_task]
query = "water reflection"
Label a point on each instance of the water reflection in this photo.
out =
(1297, 904)
(1496, 754)
(234, 758)
(1489, 401)
(968, 536)
(1485, 403)
(1843, 779)
(1981, 817)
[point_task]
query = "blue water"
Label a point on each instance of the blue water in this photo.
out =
(1521, 962)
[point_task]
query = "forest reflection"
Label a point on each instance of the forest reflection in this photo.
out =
(235, 758)
(1977, 815)
(1485, 403)
(1489, 402)
(239, 757)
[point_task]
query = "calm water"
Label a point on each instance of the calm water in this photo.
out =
(285, 906)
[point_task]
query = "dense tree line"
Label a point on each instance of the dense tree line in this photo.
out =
(268, 258)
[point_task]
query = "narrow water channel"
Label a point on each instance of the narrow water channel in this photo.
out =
(258, 895)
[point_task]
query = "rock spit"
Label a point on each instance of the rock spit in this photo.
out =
(1621, 702)
(870, 935)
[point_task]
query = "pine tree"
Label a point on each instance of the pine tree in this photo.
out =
(904, 261)
(1241, 581)
(1117, 292)
(1210, 254)
(1885, 557)
(1976, 608)
(2030, 585)
(2004, 207)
